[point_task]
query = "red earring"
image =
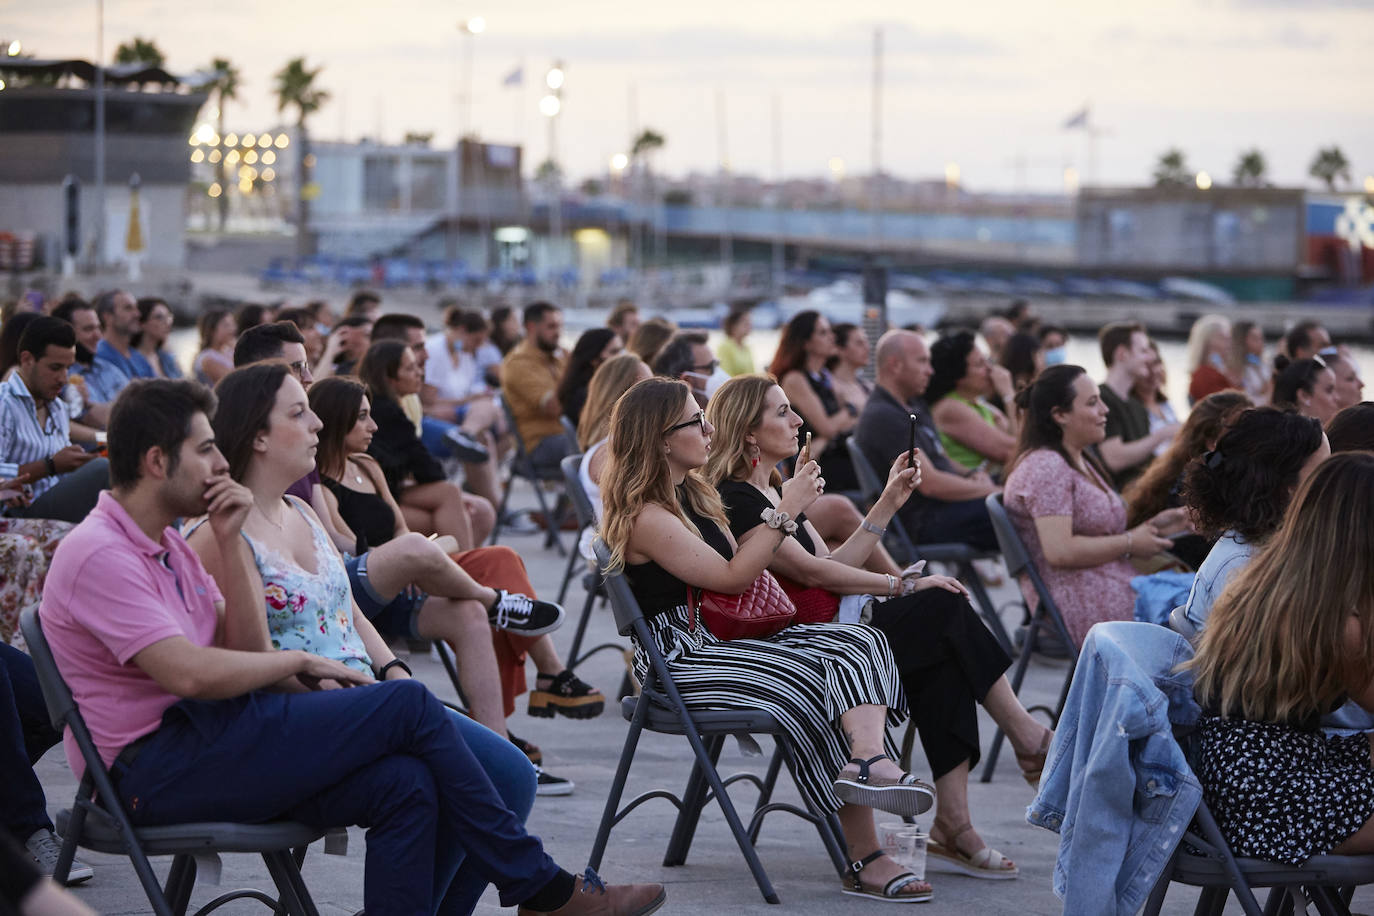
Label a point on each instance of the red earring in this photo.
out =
(754, 462)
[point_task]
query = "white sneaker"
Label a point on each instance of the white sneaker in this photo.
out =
(44, 847)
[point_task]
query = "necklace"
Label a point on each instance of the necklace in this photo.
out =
(278, 525)
(358, 478)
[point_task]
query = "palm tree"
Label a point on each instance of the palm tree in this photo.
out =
(296, 86)
(225, 87)
(140, 51)
(1171, 171)
(648, 142)
(1328, 165)
(1250, 170)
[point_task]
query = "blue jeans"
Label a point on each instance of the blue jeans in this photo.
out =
(387, 757)
(432, 434)
(25, 734)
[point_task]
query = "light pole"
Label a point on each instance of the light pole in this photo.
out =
(470, 28)
(550, 106)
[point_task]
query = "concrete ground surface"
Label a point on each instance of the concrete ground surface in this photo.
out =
(715, 879)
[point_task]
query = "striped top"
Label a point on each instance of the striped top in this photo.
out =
(22, 439)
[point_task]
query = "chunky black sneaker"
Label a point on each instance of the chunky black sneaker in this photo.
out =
(523, 615)
(549, 784)
(567, 695)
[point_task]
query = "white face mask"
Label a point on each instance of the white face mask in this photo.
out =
(707, 384)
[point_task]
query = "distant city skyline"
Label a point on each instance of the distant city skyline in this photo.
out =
(986, 86)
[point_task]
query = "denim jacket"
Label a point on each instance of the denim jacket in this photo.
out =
(1117, 787)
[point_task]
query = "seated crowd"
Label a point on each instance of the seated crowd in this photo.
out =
(226, 554)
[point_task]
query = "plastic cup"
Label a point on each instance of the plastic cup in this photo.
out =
(905, 844)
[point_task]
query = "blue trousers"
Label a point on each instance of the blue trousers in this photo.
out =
(25, 734)
(387, 757)
(432, 434)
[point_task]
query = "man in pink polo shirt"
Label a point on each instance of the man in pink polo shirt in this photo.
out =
(170, 676)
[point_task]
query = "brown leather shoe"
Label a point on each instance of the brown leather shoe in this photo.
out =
(596, 899)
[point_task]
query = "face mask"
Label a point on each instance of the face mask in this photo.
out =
(707, 385)
(1056, 356)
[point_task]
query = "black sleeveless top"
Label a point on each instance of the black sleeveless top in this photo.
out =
(367, 514)
(834, 461)
(744, 507)
(659, 591)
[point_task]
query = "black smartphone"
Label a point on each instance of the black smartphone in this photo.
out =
(911, 441)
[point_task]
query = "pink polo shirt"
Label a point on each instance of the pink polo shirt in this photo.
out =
(111, 592)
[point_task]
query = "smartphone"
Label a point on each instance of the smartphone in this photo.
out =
(911, 440)
(806, 449)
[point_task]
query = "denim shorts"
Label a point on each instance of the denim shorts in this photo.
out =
(397, 617)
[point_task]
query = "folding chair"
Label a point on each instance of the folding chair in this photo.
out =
(660, 708)
(960, 556)
(586, 517)
(97, 821)
(522, 467)
(1203, 859)
(1046, 615)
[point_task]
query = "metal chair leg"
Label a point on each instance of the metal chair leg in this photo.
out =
(622, 771)
(693, 800)
(569, 572)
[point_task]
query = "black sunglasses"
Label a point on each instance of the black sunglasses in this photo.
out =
(699, 421)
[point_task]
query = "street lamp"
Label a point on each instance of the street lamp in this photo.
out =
(470, 28)
(14, 48)
(1204, 181)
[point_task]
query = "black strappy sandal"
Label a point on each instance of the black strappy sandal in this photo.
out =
(891, 891)
(906, 795)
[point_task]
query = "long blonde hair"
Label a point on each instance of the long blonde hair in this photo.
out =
(637, 471)
(1199, 335)
(734, 411)
(1274, 647)
(612, 378)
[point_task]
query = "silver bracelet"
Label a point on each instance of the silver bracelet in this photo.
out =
(1127, 554)
(891, 584)
(871, 528)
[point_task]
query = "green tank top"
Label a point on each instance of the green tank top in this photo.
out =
(957, 450)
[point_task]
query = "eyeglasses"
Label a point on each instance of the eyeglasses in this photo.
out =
(708, 368)
(699, 421)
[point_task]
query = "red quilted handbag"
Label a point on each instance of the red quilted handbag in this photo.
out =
(762, 610)
(814, 604)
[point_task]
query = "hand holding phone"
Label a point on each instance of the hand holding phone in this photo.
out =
(911, 440)
(805, 455)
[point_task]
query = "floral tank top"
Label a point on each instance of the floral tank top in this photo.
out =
(312, 612)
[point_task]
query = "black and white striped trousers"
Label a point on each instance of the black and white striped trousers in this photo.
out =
(806, 676)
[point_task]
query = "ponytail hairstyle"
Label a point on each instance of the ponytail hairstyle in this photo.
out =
(1052, 390)
(1292, 376)
(637, 473)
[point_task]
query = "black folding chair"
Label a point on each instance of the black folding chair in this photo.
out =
(521, 467)
(660, 708)
(1046, 616)
(960, 556)
(586, 516)
(98, 822)
(1204, 859)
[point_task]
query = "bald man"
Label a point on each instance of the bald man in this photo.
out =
(948, 504)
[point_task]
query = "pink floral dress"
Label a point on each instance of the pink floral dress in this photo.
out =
(1044, 484)
(26, 548)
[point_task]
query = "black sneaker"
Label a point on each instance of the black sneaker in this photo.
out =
(531, 751)
(44, 847)
(523, 615)
(465, 448)
(549, 784)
